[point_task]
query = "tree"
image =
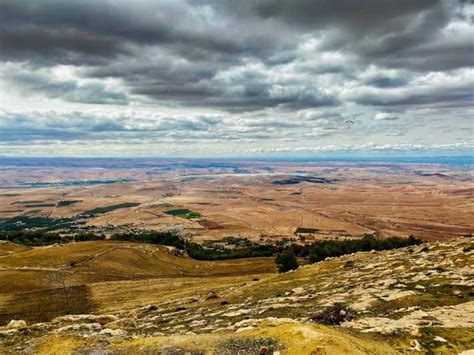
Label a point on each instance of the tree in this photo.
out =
(286, 260)
(59, 278)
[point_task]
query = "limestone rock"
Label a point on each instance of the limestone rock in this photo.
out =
(116, 333)
(299, 291)
(85, 318)
(122, 323)
(237, 313)
(15, 324)
(87, 327)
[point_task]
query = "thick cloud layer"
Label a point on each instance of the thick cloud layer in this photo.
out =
(266, 71)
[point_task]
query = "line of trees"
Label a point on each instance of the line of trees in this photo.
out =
(285, 252)
(40, 237)
(152, 237)
(318, 251)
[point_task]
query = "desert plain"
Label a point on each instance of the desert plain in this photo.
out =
(255, 200)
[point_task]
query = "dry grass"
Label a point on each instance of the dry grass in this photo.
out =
(290, 339)
(7, 248)
(118, 276)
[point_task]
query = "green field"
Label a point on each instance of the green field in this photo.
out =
(184, 213)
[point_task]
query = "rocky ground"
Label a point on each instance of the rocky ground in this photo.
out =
(418, 299)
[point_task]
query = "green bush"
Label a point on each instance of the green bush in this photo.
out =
(319, 251)
(86, 236)
(152, 237)
(199, 252)
(286, 260)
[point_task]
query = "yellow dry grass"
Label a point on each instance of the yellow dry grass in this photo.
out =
(290, 339)
(116, 275)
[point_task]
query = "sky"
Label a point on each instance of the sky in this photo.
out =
(210, 78)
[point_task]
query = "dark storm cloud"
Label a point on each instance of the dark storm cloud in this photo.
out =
(44, 125)
(357, 15)
(108, 28)
(69, 90)
(404, 33)
(59, 47)
(384, 81)
(462, 97)
(237, 56)
(436, 91)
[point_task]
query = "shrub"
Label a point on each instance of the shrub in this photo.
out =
(286, 260)
(85, 236)
(468, 248)
(334, 315)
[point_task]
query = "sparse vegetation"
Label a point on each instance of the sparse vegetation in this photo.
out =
(58, 278)
(100, 210)
(64, 203)
(37, 205)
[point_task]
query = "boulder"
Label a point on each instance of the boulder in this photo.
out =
(116, 333)
(148, 308)
(237, 313)
(415, 345)
(122, 323)
(16, 324)
(212, 295)
(85, 318)
(83, 327)
(299, 291)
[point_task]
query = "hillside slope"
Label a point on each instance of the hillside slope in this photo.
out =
(417, 299)
(99, 261)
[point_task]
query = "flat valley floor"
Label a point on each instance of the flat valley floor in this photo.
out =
(262, 201)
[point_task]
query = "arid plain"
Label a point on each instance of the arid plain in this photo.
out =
(256, 200)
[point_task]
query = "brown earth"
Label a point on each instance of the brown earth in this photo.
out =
(432, 202)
